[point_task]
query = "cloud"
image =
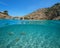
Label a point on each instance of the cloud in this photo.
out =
(3, 3)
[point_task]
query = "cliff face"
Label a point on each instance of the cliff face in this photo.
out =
(4, 15)
(37, 15)
(52, 13)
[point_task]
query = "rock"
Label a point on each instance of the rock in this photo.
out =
(22, 33)
(10, 33)
(17, 39)
(56, 18)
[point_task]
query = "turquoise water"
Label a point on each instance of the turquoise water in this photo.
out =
(29, 34)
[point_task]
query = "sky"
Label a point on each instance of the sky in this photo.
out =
(24, 7)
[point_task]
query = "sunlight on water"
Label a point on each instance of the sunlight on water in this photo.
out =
(29, 34)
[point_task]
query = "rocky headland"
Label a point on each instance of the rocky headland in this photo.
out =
(51, 13)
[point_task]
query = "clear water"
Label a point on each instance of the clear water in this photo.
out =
(29, 34)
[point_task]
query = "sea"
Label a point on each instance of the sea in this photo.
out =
(29, 33)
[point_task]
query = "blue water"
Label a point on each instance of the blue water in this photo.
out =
(29, 34)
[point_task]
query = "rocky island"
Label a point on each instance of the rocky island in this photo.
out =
(51, 13)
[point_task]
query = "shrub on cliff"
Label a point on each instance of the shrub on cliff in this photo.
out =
(5, 12)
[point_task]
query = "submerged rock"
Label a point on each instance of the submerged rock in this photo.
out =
(17, 39)
(10, 33)
(22, 33)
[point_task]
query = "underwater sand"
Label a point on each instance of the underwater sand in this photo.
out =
(29, 34)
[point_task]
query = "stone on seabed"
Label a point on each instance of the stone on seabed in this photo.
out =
(10, 33)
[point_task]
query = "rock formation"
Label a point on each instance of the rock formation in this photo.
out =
(4, 15)
(51, 13)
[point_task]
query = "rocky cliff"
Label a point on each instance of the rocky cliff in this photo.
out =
(4, 15)
(51, 13)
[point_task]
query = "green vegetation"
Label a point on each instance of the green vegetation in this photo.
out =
(5, 12)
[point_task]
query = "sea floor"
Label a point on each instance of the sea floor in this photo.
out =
(30, 36)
